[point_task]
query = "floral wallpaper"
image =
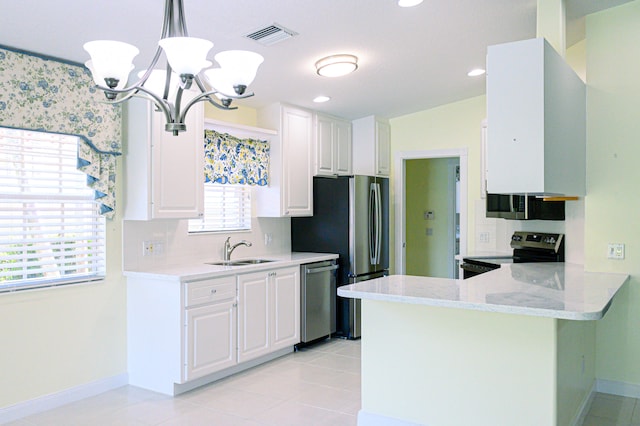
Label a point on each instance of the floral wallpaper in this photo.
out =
(46, 94)
(229, 159)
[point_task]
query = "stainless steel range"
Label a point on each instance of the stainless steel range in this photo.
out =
(527, 247)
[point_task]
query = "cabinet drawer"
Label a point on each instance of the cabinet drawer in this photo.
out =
(210, 290)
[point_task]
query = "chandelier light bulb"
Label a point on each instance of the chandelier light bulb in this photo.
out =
(186, 55)
(111, 59)
(240, 66)
(157, 80)
(219, 80)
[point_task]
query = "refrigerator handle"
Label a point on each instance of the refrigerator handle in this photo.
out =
(372, 224)
(378, 223)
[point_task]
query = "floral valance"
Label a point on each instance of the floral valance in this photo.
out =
(229, 159)
(51, 95)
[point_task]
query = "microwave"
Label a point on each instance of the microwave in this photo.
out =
(523, 207)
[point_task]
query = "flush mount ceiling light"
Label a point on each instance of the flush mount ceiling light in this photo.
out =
(409, 3)
(336, 65)
(111, 63)
(320, 99)
(476, 72)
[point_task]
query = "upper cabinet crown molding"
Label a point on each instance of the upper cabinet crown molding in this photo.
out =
(163, 173)
(371, 146)
(536, 121)
(290, 191)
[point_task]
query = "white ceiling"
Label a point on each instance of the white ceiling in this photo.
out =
(410, 59)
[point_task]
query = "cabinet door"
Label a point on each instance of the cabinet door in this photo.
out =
(211, 339)
(285, 308)
(253, 315)
(383, 148)
(177, 167)
(342, 148)
(324, 146)
(297, 134)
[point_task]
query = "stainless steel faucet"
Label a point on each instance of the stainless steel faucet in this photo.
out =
(228, 248)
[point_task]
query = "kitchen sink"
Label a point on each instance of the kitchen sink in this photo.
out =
(242, 262)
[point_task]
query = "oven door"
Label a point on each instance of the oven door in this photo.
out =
(470, 269)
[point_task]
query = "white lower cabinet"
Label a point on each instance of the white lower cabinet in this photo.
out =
(211, 339)
(268, 312)
(285, 308)
(182, 334)
(253, 315)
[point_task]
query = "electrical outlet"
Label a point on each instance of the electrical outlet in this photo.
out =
(147, 248)
(484, 237)
(152, 248)
(268, 238)
(429, 231)
(615, 251)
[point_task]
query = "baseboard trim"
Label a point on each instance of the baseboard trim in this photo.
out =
(618, 388)
(54, 400)
(366, 418)
(585, 406)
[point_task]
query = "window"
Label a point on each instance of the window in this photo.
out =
(226, 208)
(50, 230)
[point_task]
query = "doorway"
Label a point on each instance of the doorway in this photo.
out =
(431, 212)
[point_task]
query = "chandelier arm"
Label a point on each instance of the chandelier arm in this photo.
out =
(206, 96)
(150, 96)
(182, 23)
(214, 91)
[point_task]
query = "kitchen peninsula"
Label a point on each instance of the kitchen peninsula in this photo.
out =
(511, 346)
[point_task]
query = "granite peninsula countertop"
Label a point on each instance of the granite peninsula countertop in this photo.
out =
(553, 290)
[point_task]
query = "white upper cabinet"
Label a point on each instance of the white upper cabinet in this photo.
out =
(164, 174)
(290, 191)
(371, 146)
(536, 121)
(333, 146)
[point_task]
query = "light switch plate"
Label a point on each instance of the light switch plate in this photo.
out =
(615, 251)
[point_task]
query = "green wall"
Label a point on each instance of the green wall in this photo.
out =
(427, 190)
(613, 201)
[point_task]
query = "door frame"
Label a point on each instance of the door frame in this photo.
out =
(401, 208)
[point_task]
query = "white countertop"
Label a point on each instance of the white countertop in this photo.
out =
(554, 290)
(187, 271)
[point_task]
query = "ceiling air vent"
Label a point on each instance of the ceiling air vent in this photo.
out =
(271, 34)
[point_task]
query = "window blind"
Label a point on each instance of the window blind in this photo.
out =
(226, 208)
(50, 230)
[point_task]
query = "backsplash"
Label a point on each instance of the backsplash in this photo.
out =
(176, 245)
(494, 235)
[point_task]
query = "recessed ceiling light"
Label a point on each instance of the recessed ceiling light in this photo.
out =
(336, 65)
(409, 3)
(320, 99)
(476, 72)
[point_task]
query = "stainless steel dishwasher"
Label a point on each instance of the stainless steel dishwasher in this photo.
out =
(318, 300)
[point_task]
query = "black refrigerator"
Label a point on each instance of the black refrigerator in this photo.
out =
(350, 218)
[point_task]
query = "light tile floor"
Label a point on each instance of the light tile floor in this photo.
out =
(610, 410)
(319, 385)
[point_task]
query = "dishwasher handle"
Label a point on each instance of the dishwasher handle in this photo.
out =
(322, 269)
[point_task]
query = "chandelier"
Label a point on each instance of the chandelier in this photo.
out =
(111, 64)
